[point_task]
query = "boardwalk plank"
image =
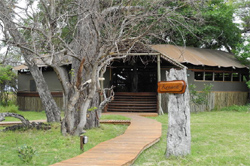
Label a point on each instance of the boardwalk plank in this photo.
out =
(124, 149)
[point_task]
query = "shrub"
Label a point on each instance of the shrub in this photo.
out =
(200, 98)
(11, 108)
(8, 84)
(26, 153)
(237, 108)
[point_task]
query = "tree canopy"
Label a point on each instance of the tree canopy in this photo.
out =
(210, 26)
(7, 84)
(242, 50)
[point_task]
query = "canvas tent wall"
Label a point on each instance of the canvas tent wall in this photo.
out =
(27, 95)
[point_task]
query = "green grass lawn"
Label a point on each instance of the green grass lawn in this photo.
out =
(30, 115)
(218, 138)
(114, 117)
(50, 145)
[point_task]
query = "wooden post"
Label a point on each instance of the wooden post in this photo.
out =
(81, 143)
(179, 135)
(102, 86)
(160, 111)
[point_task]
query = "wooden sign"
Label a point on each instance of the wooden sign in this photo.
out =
(178, 86)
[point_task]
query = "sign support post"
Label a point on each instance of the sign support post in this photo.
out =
(179, 134)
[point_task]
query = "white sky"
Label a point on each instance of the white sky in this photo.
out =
(22, 4)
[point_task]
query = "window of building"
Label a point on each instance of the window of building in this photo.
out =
(244, 77)
(236, 76)
(209, 76)
(227, 76)
(198, 75)
(218, 76)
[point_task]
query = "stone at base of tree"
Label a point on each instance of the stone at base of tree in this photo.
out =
(179, 135)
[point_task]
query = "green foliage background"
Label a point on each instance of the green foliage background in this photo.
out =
(8, 85)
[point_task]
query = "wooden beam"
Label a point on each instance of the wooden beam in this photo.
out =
(135, 54)
(160, 111)
(35, 94)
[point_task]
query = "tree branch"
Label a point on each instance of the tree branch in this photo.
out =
(107, 100)
(118, 8)
(18, 116)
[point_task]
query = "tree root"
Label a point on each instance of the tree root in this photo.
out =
(25, 123)
(14, 115)
(33, 125)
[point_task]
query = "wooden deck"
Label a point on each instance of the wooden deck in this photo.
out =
(124, 149)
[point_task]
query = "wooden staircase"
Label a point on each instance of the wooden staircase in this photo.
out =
(133, 102)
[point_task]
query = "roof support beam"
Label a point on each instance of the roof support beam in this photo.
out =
(160, 111)
(135, 54)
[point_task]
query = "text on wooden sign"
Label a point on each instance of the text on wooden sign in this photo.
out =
(177, 86)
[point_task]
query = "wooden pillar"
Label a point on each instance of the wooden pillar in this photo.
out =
(101, 81)
(160, 111)
(110, 74)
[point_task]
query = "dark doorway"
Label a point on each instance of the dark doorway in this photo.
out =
(135, 81)
(135, 77)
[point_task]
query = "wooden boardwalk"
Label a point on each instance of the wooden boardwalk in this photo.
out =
(124, 149)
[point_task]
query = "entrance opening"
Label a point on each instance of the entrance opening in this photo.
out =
(135, 84)
(135, 77)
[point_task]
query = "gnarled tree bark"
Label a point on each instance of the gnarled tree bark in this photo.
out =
(51, 109)
(14, 115)
(25, 123)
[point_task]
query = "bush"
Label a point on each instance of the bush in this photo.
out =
(237, 108)
(26, 153)
(8, 82)
(11, 109)
(200, 98)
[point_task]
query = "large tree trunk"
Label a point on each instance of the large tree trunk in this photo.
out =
(179, 135)
(87, 48)
(51, 109)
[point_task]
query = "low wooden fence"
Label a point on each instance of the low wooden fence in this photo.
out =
(218, 100)
(30, 101)
(215, 100)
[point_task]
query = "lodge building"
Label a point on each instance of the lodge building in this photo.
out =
(135, 79)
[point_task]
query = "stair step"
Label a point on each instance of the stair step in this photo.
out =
(131, 110)
(132, 107)
(135, 97)
(125, 99)
(133, 102)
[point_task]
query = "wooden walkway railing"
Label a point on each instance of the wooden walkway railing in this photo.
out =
(122, 150)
